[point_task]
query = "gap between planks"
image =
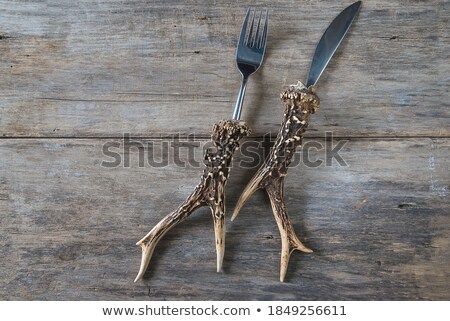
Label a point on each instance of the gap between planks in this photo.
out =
(205, 137)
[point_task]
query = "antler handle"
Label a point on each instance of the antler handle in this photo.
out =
(209, 192)
(299, 102)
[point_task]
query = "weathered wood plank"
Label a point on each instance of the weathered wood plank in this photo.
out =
(150, 68)
(379, 226)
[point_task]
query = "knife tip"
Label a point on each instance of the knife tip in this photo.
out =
(355, 5)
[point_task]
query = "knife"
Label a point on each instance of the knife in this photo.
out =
(299, 102)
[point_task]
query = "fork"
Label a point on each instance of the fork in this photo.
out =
(225, 137)
(250, 53)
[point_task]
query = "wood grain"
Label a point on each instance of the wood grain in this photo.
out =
(78, 75)
(379, 226)
(152, 68)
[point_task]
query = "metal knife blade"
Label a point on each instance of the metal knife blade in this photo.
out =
(330, 41)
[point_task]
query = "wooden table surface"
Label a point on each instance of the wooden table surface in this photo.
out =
(77, 75)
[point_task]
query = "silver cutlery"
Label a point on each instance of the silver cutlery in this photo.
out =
(225, 137)
(299, 102)
(250, 53)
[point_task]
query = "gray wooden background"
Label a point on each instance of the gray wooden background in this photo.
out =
(79, 74)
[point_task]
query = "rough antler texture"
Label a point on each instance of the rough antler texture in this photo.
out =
(299, 102)
(209, 192)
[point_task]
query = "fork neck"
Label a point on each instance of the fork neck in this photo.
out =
(240, 99)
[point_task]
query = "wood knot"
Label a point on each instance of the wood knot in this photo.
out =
(405, 205)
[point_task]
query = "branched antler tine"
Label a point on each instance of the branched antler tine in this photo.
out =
(289, 240)
(149, 242)
(209, 192)
(251, 187)
(299, 102)
(217, 206)
(226, 137)
(218, 213)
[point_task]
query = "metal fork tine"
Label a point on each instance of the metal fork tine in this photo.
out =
(244, 29)
(249, 53)
(264, 35)
(250, 33)
(256, 41)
